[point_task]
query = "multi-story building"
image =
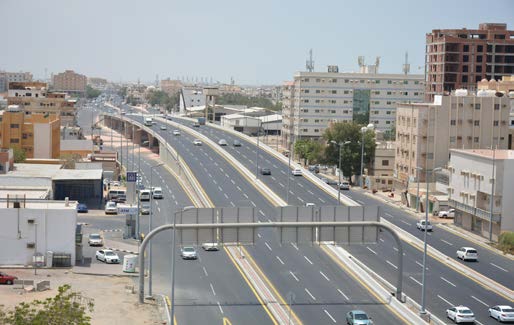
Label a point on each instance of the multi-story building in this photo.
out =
(324, 97)
(171, 87)
(425, 132)
(287, 112)
(7, 77)
(38, 134)
(70, 82)
(381, 169)
(472, 175)
(459, 58)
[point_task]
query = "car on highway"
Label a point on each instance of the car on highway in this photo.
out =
(210, 246)
(467, 253)
(144, 195)
(157, 193)
(108, 256)
(197, 142)
(502, 313)
(222, 142)
(236, 143)
(309, 204)
(447, 214)
(6, 278)
(176, 132)
(265, 171)
(111, 208)
(424, 225)
(297, 172)
(188, 253)
(358, 317)
(82, 208)
(145, 208)
(344, 185)
(460, 314)
(95, 240)
(163, 127)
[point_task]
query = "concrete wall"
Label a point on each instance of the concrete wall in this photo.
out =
(55, 232)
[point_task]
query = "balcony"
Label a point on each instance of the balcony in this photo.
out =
(479, 213)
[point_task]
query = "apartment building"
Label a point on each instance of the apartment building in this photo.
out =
(70, 82)
(472, 175)
(287, 112)
(34, 97)
(7, 77)
(425, 132)
(459, 58)
(37, 134)
(324, 97)
(381, 170)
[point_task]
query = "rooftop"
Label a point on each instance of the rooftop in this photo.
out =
(488, 153)
(42, 204)
(53, 172)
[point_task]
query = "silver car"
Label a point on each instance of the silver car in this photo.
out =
(188, 253)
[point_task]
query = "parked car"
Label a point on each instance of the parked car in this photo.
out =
(424, 225)
(222, 142)
(157, 193)
(331, 182)
(237, 143)
(344, 185)
(467, 253)
(308, 204)
(111, 208)
(210, 246)
(6, 278)
(460, 314)
(163, 127)
(502, 313)
(197, 142)
(145, 208)
(144, 195)
(188, 253)
(82, 208)
(176, 132)
(95, 240)
(107, 256)
(196, 124)
(447, 214)
(358, 317)
(314, 169)
(297, 172)
(265, 171)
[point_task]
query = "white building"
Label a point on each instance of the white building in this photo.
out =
(36, 228)
(249, 123)
(471, 177)
(191, 97)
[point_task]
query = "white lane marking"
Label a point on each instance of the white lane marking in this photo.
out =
(328, 314)
(415, 280)
(478, 322)
(294, 276)
(262, 213)
(362, 203)
(389, 215)
(239, 188)
(310, 294)
(232, 204)
(259, 235)
(371, 250)
(233, 182)
(226, 175)
(381, 239)
(308, 260)
(448, 282)
(226, 196)
(219, 188)
(300, 184)
(281, 184)
(254, 205)
(294, 245)
(159, 209)
(265, 243)
(282, 172)
(396, 267)
(405, 222)
(278, 258)
(323, 274)
(446, 301)
(421, 265)
(246, 196)
(300, 199)
(212, 288)
(215, 181)
(322, 201)
(310, 192)
(444, 241)
(480, 301)
(501, 268)
(221, 170)
(342, 293)
(219, 306)
(275, 166)
(273, 178)
(205, 271)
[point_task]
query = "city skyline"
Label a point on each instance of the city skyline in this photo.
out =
(128, 41)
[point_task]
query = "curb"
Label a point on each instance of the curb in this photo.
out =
(132, 275)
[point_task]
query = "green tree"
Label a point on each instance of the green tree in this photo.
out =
(67, 307)
(92, 92)
(309, 150)
(19, 155)
(341, 132)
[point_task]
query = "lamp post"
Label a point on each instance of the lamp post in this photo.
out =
(423, 274)
(492, 197)
(363, 131)
(340, 145)
(418, 169)
(173, 261)
(150, 226)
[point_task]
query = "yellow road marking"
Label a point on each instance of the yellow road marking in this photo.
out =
(251, 286)
(352, 274)
(226, 321)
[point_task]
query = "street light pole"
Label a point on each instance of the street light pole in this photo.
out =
(492, 197)
(418, 169)
(363, 131)
(340, 145)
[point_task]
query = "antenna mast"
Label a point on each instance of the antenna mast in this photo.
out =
(406, 65)
(309, 65)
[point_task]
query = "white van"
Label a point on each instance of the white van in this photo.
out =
(144, 195)
(116, 195)
(157, 193)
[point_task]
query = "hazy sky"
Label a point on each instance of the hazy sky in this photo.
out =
(256, 42)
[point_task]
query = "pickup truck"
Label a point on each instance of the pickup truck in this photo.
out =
(447, 214)
(424, 227)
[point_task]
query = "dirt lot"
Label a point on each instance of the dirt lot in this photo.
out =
(114, 304)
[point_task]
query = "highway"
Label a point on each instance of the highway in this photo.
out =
(448, 286)
(323, 291)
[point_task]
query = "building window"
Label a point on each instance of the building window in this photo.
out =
(388, 122)
(476, 139)
(306, 91)
(466, 48)
(334, 91)
(361, 81)
(316, 130)
(385, 162)
(479, 58)
(316, 101)
(405, 82)
(318, 80)
(15, 126)
(15, 140)
(477, 123)
(24, 136)
(306, 79)
(388, 112)
(465, 68)
(416, 82)
(305, 100)
(333, 111)
(318, 91)
(478, 68)
(496, 123)
(452, 139)
(388, 103)
(389, 93)
(477, 106)
(452, 122)
(465, 58)
(389, 82)
(346, 92)
(430, 155)
(464, 78)
(496, 107)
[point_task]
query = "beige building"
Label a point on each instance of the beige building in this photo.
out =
(426, 132)
(287, 112)
(381, 171)
(70, 82)
(505, 85)
(7, 77)
(171, 87)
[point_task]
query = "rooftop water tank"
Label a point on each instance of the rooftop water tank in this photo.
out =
(461, 92)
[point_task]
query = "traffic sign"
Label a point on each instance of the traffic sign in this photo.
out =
(131, 177)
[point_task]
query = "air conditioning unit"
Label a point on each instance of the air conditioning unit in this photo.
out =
(31, 221)
(31, 245)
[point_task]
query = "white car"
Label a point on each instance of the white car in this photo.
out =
(344, 185)
(502, 313)
(424, 225)
(467, 253)
(163, 127)
(145, 208)
(308, 204)
(176, 132)
(107, 256)
(460, 314)
(157, 193)
(188, 253)
(95, 240)
(222, 142)
(447, 214)
(297, 172)
(197, 142)
(111, 208)
(144, 195)
(210, 246)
